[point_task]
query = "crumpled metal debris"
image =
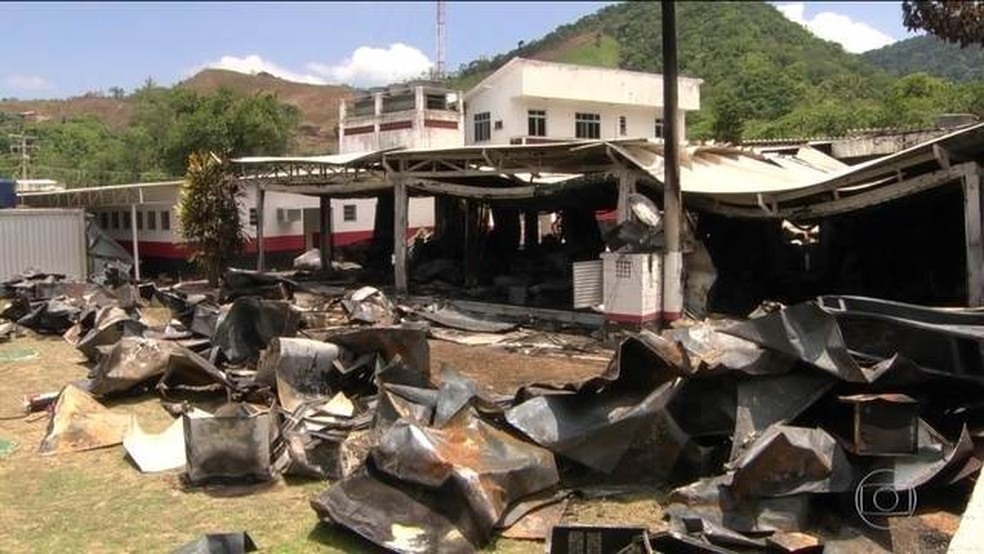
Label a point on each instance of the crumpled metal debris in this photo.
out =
(456, 319)
(102, 327)
(604, 416)
(236, 283)
(250, 325)
(50, 317)
(369, 305)
(231, 446)
(301, 369)
(161, 451)
(80, 422)
(219, 543)
(442, 489)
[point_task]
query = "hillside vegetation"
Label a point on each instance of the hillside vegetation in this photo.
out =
(931, 55)
(764, 77)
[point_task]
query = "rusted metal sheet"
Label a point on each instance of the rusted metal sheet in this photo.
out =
(80, 422)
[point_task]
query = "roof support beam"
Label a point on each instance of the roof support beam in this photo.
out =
(972, 236)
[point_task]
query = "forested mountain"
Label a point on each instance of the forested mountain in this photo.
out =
(769, 74)
(931, 55)
(764, 77)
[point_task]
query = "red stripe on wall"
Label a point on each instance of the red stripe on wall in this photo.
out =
(360, 130)
(395, 125)
(277, 244)
(440, 124)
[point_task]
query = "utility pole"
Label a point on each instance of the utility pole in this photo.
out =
(672, 198)
(23, 145)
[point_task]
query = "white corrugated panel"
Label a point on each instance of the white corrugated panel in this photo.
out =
(49, 240)
(587, 284)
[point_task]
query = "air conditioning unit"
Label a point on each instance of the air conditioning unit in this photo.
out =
(288, 215)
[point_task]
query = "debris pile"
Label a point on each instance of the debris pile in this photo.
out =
(756, 425)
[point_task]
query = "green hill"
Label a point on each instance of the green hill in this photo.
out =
(767, 72)
(930, 55)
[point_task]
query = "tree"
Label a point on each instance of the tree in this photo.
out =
(959, 22)
(117, 92)
(208, 213)
(728, 123)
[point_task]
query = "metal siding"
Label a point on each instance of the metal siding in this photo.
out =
(49, 240)
(587, 284)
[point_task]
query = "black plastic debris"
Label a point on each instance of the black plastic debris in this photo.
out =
(220, 543)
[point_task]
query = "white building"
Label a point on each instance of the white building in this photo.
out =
(411, 116)
(529, 101)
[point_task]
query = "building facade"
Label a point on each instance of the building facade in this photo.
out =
(529, 101)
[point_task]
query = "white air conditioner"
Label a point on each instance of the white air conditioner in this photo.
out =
(288, 215)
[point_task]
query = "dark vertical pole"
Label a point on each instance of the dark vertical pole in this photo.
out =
(260, 249)
(672, 200)
(324, 232)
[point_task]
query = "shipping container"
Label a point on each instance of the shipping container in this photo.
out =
(48, 240)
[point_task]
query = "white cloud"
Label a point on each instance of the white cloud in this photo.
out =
(253, 64)
(376, 66)
(367, 66)
(854, 36)
(26, 82)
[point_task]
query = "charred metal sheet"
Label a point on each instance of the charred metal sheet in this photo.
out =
(220, 543)
(429, 489)
(205, 318)
(156, 452)
(597, 424)
(51, 317)
(946, 341)
(937, 461)
(449, 316)
(188, 370)
(369, 305)
(712, 532)
(250, 325)
(130, 362)
(710, 350)
(788, 460)
(537, 524)
(713, 500)
(231, 446)
(767, 400)
(882, 423)
(109, 325)
(407, 343)
(79, 422)
(302, 369)
(577, 539)
(237, 283)
(808, 333)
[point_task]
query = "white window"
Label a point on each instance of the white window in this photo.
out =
(152, 220)
(165, 220)
(253, 218)
(349, 212)
(140, 221)
(623, 126)
(537, 123)
(587, 125)
(623, 269)
(658, 129)
(126, 219)
(483, 126)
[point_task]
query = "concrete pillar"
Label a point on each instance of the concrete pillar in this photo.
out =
(325, 232)
(626, 186)
(400, 207)
(972, 231)
(133, 239)
(260, 249)
(531, 229)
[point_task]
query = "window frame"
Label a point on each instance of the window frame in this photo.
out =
(152, 220)
(165, 220)
(659, 128)
(482, 126)
(536, 123)
(345, 212)
(587, 125)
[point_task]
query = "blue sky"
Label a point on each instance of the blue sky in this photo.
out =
(55, 50)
